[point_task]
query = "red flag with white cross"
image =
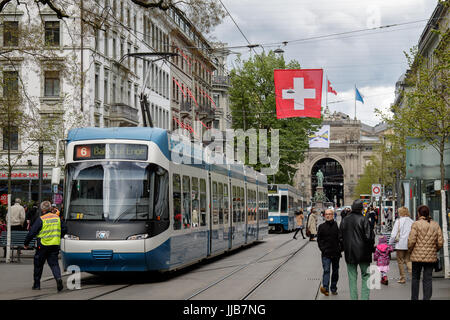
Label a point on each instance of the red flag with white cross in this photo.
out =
(298, 93)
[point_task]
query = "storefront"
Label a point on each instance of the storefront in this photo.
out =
(25, 185)
(423, 183)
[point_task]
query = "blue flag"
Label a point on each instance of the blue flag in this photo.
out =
(358, 95)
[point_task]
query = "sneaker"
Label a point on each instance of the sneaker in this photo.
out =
(59, 284)
(324, 291)
(294, 238)
(36, 286)
(334, 293)
(401, 281)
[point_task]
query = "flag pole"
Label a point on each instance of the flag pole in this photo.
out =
(355, 101)
(326, 97)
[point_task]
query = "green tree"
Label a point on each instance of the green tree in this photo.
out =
(425, 111)
(386, 165)
(252, 102)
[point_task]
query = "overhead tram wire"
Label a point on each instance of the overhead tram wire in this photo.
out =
(273, 44)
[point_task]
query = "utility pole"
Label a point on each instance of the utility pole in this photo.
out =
(81, 52)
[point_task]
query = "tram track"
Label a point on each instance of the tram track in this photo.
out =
(273, 271)
(258, 260)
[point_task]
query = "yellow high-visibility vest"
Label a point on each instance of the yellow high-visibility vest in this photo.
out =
(50, 233)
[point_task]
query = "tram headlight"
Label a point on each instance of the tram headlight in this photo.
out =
(270, 219)
(138, 236)
(71, 237)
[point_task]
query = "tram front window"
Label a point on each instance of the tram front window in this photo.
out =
(274, 202)
(116, 191)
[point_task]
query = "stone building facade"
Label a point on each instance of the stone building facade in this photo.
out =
(351, 146)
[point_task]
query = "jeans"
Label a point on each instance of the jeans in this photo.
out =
(352, 270)
(327, 264)
(301, 231)
(427, 280)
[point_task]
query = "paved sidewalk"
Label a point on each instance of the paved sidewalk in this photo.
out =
(393, 291)
(16, 280)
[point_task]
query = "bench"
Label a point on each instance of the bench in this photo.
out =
(17, 240)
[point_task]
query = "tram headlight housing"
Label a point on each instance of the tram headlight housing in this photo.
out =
(138, 236)
(71, 237)
(270, 219)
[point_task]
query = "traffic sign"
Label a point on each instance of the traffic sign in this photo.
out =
(376, 190)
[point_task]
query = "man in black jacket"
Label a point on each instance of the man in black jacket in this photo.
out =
(359, 240)
(330, 244)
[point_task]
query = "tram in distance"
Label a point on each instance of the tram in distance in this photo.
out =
(130, 207)
(284, 200)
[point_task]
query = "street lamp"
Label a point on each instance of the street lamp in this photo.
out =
(40, 172)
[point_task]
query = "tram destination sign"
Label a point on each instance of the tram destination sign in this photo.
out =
(110, 151)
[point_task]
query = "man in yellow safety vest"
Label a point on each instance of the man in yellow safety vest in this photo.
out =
(49, 230)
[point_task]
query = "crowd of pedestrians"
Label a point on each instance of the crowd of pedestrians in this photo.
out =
(415, 243)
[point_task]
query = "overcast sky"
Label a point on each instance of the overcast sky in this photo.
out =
(371, 60)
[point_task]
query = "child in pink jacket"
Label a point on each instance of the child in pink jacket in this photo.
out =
(382, 256)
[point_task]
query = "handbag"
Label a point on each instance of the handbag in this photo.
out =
(438, 265)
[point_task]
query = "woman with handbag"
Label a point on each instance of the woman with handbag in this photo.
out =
(399, 236)
(424, 241)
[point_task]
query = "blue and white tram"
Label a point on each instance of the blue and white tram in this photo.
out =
(283, 201)
(129, 206)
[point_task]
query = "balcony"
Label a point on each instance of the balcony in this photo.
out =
(206, 113)
(123, 115)
(185, 108)
(221, 81)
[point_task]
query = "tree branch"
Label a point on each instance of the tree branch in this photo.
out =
(160, 4)
(59, 13)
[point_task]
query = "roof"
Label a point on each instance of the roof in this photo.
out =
(156, 135)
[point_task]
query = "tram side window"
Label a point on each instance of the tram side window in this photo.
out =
(253, 205)
(161, 195)
(242, 196)
(186, 202)
(195, 202)
(177, 201)
(202, 202)
(220, 203)
(215, 204)
(266, 208)
(226, 204)
(249, 205)
(234, 204)
(291, 204)
(284, 204)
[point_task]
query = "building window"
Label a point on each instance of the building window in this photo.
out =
(13, 139)
(97, 83)
(114, 46)
(10, 84)
(51, 85)
(113, 90)
(52, 33)
(129, 94)
(106, 51)
(10, 33)
(105, 87)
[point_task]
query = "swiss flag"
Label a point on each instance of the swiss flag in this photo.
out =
(330, 88)
(298, 93)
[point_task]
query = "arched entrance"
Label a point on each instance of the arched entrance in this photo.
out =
(333, 182)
